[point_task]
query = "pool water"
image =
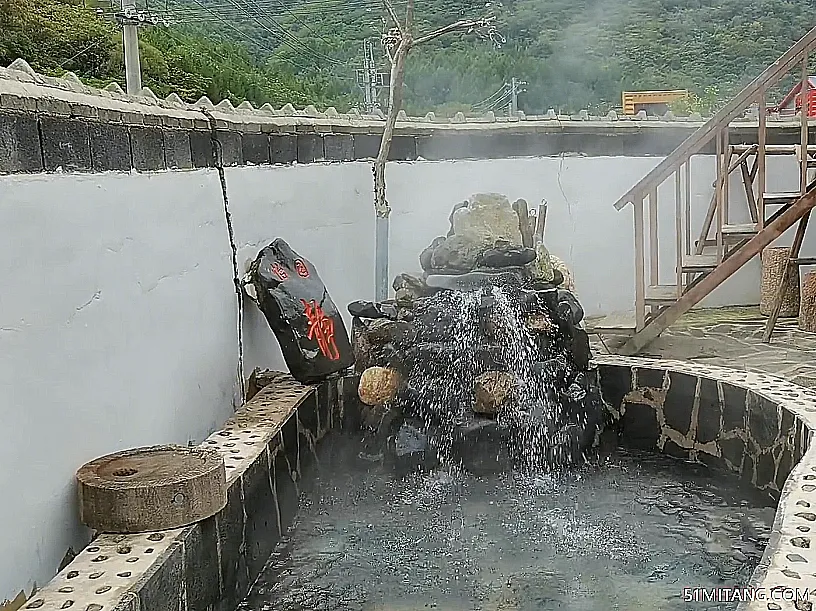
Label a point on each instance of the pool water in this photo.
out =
(627, 534)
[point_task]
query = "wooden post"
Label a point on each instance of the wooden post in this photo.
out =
(793, 253)
(803, 118)
(678, 231)
(640, 276)
(688, 206)
(760, 196)
(654, 254)
(719, 191)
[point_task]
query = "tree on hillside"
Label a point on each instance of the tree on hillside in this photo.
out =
(398, 41)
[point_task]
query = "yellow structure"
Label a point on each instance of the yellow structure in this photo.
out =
(656, 101)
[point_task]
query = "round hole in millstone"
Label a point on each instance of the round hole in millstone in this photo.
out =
(124, 472)
(93, 549)
(143, 501)
(65, 590)
(103, 589)
(72, 574)
(132, 560)
(803, 503)
(123, 549)
(155, 537)
(99, 559)
(35, 604)
(94, 607)
(804, 529)
(67, 604)
(96, 575)
(124, 574)
(149, 550)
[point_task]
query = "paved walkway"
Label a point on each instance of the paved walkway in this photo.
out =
(732, 337)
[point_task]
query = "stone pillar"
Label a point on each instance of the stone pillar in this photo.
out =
(774, 261)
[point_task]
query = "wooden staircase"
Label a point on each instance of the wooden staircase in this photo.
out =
(724, 244)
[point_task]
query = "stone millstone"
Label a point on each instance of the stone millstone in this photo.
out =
(155, 488)
(378, 385)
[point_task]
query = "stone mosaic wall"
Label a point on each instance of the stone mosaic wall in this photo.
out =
(269, 449)
(753, 424)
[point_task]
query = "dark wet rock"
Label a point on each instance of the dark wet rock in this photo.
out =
(385, 331)
(426, 255)
(506, 255)
(569, 310)
(413, 284)
(404, 298)
(301, 314)
(409, 448)
(539, 284)
(581, 352)
(481, 445)
(365, 309)
(456, 254)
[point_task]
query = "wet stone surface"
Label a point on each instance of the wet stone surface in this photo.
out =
(628, 533)
(732, 337)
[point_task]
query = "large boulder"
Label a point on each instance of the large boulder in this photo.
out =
(378, 385)
(491, 390)
(488, 217)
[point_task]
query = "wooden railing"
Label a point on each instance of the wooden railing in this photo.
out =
(694, 260)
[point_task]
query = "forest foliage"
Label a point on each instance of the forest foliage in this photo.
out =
(573, 54)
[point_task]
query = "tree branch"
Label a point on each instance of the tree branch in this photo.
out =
(462, 24)
(381, 206)
(390, 8)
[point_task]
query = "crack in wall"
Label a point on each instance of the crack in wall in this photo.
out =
(218, 161)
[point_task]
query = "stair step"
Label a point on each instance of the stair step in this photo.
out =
(661, 293)
(739, 231)
(613, 324)
(781, 198)
(696, 263)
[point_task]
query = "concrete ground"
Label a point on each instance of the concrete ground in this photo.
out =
(732, 337)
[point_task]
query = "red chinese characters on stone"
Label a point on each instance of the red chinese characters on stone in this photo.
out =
(301, 269)
(280, 271)
(321, 330)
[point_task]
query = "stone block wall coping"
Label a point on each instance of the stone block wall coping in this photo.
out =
(24, 90)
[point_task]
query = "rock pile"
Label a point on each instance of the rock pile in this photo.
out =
(483, 359)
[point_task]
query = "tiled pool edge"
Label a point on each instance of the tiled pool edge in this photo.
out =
(778, 420)
(209, 566)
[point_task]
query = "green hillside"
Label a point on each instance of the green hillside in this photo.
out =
(573, 54)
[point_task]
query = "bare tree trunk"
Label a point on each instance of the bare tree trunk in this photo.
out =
(381, 207)
(395, 102)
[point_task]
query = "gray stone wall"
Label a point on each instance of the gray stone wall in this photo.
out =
(49, 123)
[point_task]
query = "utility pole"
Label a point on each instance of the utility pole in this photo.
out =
(130, 37)
(516, 87)
(369, 79)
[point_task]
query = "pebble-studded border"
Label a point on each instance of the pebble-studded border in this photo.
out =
(775, 428)
(731, 418)
(267, 446)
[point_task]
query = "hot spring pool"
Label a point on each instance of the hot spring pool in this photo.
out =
(629, 534)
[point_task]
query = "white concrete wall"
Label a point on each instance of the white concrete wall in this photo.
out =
(117, 311)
